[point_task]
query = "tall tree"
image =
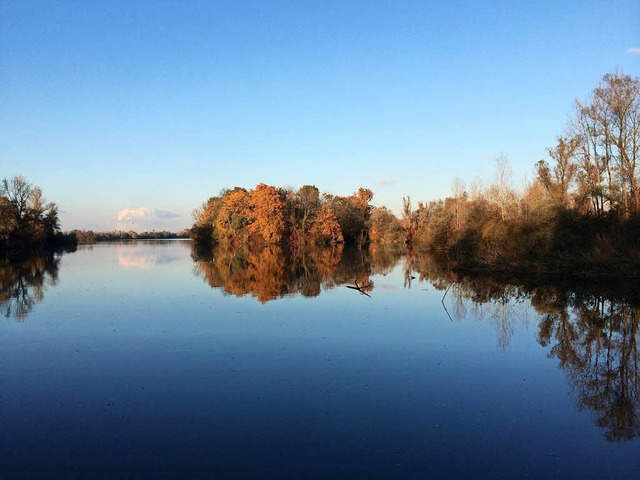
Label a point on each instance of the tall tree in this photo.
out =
(409, 220)
(265, 212)
(608, 126)
(501, 192)
(307, 204)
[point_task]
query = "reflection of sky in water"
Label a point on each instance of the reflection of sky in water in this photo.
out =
(149, 372)
(129, 258)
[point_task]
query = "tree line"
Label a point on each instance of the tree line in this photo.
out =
(88, 237)
(28, 222)
(582, 208)
(269, 272)
(580, 213)
(272, 215)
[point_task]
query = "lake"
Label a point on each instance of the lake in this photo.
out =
(149, 360)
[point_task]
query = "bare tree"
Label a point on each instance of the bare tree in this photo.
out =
(17, 191)
(608, 127)
(458, 187)
(476, 189)
(501, 191)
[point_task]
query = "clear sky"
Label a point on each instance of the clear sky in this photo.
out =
(153, 106)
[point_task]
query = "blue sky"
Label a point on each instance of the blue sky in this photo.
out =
(153, 106)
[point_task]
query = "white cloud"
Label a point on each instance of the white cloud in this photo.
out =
(145, 218)
(133, 214)
(634, 51)
(144, 214)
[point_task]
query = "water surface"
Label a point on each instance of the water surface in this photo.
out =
(145, 359)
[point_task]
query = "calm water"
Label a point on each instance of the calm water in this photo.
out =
(145, 360)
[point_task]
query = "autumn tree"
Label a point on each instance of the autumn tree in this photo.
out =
(265, 213)
(232, 218)
(433, 225)
(565, 168)
(384, 227)
(203, 230)
(326, 229)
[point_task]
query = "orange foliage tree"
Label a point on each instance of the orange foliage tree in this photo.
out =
(232, 218)
(269, 214)
(326, 228)
(266, 212)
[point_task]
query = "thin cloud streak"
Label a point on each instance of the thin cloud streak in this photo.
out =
(634, 51)
(387, 181)
(165, 214)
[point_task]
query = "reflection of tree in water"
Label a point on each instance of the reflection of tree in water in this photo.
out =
(592, 333)
(272, 272)
(501, 304)
(22, 283)
(595, 340)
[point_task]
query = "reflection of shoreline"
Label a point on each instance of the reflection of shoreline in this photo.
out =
(591, 331)
(23, 283)
(272, 272)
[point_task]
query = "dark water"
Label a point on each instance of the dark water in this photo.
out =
(139, 360)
